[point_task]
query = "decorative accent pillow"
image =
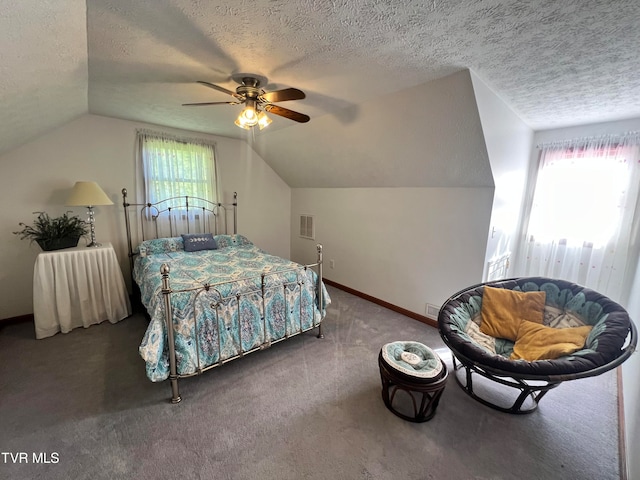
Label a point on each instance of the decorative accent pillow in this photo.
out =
(194, 242)
(235, 240)
(160, 245)
(503, 310)
(539, 342)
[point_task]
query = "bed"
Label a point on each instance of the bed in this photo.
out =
(224, 300)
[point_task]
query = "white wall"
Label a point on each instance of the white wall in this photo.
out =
(631, 384)
(39, 175)
(406, 246)
(579, 131)
(509, 141)
(631, 368)
(406, 214)
(425, 136)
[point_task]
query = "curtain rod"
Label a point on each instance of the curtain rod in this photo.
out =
(617, 138)
(175, 138)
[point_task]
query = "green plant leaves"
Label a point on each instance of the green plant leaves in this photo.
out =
(46, 228)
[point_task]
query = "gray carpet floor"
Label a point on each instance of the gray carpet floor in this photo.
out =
(302, 409)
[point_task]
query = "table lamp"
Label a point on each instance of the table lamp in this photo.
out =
(88, 194)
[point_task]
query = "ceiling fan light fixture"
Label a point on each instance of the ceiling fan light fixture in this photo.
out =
(249, 115)
(263, 120)
(241, 124)
(257, 102)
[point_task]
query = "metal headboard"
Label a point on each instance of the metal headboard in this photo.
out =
(183, 214)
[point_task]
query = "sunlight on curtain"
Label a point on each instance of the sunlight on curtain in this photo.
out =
(175, 167)
(581, 220)
(170, 166)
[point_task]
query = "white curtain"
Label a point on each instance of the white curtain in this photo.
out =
(580, 225)
(174, 166)
(170, 166)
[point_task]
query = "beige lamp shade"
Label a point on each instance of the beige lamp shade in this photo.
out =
(86, 194)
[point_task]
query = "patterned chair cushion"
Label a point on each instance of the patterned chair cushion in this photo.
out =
(413, 359)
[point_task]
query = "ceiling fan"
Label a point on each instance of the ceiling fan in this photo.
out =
(257, 101)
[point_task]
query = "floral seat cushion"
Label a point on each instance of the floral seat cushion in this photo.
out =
(412, 359)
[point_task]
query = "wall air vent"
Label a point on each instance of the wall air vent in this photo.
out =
(432, 311)
(307, 227)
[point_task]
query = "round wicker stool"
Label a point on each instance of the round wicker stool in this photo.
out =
(417, 370)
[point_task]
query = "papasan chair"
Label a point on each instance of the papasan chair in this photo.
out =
(531, 335)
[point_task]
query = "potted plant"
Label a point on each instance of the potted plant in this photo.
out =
(54, 233)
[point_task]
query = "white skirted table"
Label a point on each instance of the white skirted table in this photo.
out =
(77, 287)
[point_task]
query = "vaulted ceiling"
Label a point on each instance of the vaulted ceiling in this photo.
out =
(555, 63)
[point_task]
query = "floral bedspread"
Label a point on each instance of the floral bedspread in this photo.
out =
(234, 314)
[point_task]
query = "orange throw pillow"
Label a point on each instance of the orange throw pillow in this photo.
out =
(538, 342)
(503, 310)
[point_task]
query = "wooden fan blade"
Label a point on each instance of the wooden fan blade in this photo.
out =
(282, 95)
(219, 88)
(285, 112)
(208, 103)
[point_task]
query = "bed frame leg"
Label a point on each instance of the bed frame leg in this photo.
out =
(166, 292)
(319, 288)
(175, 392)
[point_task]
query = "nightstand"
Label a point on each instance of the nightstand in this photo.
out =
(77, 287)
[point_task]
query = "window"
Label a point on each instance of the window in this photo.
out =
(578, 195)
(177, 167)
(580, 222)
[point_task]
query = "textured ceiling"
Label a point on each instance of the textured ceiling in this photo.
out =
(555, 63)
(43, 67)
